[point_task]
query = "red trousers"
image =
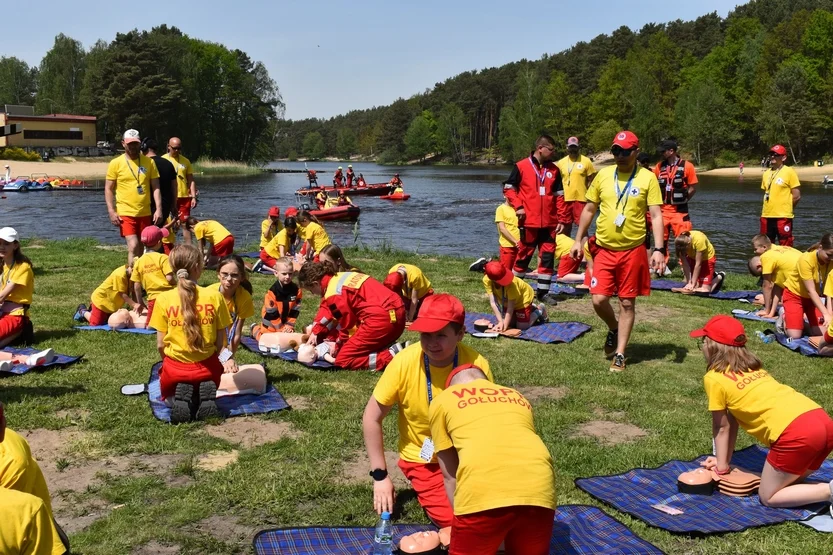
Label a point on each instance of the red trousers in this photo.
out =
(267, 259)
(542, 238)
(508, 255)
(779, 230)
(368, 347)
(11, 325)
(97, 316)
(427, 481)
(174, 372)
(526, 530)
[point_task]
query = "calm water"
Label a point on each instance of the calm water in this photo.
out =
(451, 210)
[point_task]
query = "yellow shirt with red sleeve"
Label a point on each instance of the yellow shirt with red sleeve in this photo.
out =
(519, 292)
(781, 264)
(281, 239)
(778, 185)
(700, 243)
(503, 462)
(150, 270)
(107, 297)
(133, 189)
(183, 168)
(506, 214)
(575, 176)
(636, 197)
(21, 274)
(315, 234)
(762, 406)
(169, 320)
(404, 383)
(414, 280)
(212, 230)
(268, 232)
(563, 244)
(810, 268)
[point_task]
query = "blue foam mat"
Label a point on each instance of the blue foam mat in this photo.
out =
(59, 360)
(801, 345)
(577, 530)
(551, 332)
(231, 405)
(105, 327)
(563, 288)
(252, 254)
(667, 285)
(636, 491)
(251, 344)
(750, 315)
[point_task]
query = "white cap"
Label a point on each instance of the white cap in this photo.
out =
(6, 166)
(8, 234)
(131, 136)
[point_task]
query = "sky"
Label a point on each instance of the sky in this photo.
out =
(332, 56)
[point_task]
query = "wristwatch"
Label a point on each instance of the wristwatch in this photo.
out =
(660, 249)
(378, 474)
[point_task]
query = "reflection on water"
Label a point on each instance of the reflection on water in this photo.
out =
(451, 210)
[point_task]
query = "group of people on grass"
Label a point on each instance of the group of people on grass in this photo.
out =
(458, 428)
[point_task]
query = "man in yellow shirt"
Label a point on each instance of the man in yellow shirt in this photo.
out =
(131, 180)
(578, 172)
(781, 193)
(497, 472)
(622, 193)
(186, 187)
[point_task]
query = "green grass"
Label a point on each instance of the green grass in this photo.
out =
(205, 166)
(294, 481)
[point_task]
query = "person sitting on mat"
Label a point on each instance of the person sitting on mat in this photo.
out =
(797, 431)
(353, 299)
(270, 226)
(282, 244)
(512, 299)
(191, 323)
(492, 443)
(312, 232)
(410, 283)
(237, 292)
(151, 272)
(16, 289)
(698, 259)
(221, 239)
(567, 265)
(110, 296)
(412, 380)
(332, 254)
(773, 263)
(814, 271)
(281, 304)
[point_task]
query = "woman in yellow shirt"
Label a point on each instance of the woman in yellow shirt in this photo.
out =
(312, 233)
(797, 431)
(17, 285)
(282, 244)
(698, 259)
(237, 292)
(516, 307)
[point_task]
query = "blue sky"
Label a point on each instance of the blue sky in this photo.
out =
(332, 56)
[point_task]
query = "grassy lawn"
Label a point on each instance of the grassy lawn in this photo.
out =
(123, 482)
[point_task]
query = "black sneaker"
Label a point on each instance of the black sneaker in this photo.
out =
(719, 278)
(611, 343)
(479, 265)
(181, 409)
(548, 298)
(79, 313)
(208, 404)
(256, 267)
(618, 363)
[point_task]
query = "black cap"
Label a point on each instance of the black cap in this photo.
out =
(149, 143)
(667, 144)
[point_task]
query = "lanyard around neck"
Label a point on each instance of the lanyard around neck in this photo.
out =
(771, 179)
(542, 175)
(7, 276)
(627, 190)
(138, 166)
(428, 373)
(233, 324)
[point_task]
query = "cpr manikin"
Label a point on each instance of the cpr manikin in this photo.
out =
(250, 379)
(699, 481)
(123, 318)
(308, 354)
(425, 542)
(280, 342)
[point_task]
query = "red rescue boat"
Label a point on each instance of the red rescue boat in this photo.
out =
(376, 190)
(396, 196)
(347, 213)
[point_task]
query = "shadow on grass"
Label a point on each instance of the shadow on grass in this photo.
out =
(288, 378)
(43, 335)
(16, 394)
(402, 499)
(639, 352)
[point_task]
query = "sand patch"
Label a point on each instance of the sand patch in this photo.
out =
(356, 470)
(227, 529)
(156, 548)
(252, 432)
(657, 314)
(537, 392)
(299, 402)
(610, 433)
(216, 460)
(35, 246)
(74, 416)
(601, 413)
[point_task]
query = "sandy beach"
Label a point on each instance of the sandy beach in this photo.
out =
(96, 169)
(805, 173)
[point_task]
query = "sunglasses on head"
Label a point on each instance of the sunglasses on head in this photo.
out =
(619, 151)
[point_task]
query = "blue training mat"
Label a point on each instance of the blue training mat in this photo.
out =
(668, 285)
(253, 254)
(231, 405)
(800, 345)
(551, 332)
(563, 288)
(636, 491)
(59, 360)
(750, 315)
(578, 530)
(105, 327)
(290, 356)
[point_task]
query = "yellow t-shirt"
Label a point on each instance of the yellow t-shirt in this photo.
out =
(212, 230)
(21, 274)
(574, 175)
(171, 238)
(241, 306)
(183, 170)
(404, 382)
(563, 244)
(26, 527)
(506, 214)
(810, 268)
(133, 190)
(107, 296)
(781, 263)
(168, 319)
(643, 192)
(700, 243)
(503, 462)
(778, 186)
(762, 406)
(282, 239)
(315, 234)
(267, 232)
(150, 270)
(519, 292)
(414, 279)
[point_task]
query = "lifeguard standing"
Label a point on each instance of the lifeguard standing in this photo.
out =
(350, 175)
(338, 178)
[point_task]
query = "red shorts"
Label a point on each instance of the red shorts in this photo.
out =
(526, 530)
(508, 255)
(779, 230)
(174, 372)
(427, 481)
(266, 259)
(621, 272)
(11, 325)
(572, 211)
(795, 308)
(183, 208)
(673, 222)
(706, 270)
(133, 225)
(150, 310)
(804, 444)
(97, 316)
(567, 265)
(528, 315)
(224, 247)
(167, 247)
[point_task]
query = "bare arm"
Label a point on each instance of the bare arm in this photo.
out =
(509, 310)
(449, 461)
(110, 199)
(374, 441)
(657, 259)
(698, 262)
(725, 433)
(192, 189)
(414, 301)
(7, 291)
(160, 343)
(817, 302)
(129, 301)
(157, 198)
(796, 195)
(766, 288)
(506, 235)
(137, 290)
(583, 225)
(238, 333)
(220, 342)
(495, 308)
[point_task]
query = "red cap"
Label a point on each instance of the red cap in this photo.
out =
(723, 329)
(152, 235)
(291, 212)
(274, 212)
(626, 139)
(394, 282)
(779, 150)
(498, 273)
(437, 311)
(572, 141)
(458, 370)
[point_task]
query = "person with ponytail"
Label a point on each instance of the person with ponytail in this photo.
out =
(17, 284)
(332, 254)
(353, 299)
(191, 323)
(313, 234)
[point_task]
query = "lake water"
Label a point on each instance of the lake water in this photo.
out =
(451, 210)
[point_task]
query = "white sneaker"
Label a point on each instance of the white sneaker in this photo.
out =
(779, 322)
(43, 357)
(6, 366)
(667, 271)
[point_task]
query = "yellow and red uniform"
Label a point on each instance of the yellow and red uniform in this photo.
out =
(674, 183)
(151, 270)
(107, 297)
(133, 191)
(566, 263)
(14, 312)
(505, 215)
(183, 168)
(701, 243)
(777, 213)
(221, 239)
(315, 234)
(796, 297)
(575, 174)
(520, 293)
(415, 280)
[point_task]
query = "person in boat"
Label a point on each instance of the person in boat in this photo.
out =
(321, 199)
(360, 182)
(313, 178)
(343, 199)
(396, 182)
(332, 201)
(338, 178)
(350, 175)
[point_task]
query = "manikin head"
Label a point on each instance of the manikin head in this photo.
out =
(120, 319)
(696, 477)
(424, 542)
(306, 353)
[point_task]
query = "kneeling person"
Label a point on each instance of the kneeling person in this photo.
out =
(512, 299)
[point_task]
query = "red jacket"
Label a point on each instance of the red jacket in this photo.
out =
(338, 178)
(542, 201)
(350, 298)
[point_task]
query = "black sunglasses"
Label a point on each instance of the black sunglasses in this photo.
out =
(619, 151)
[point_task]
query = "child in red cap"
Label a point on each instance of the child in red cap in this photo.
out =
(413, 378)
(270, 226)
(410, 283)
(151, 271)
(512, 299)
(798, 432)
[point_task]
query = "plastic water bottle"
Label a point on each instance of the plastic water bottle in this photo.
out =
(383, 539)
(765, 337)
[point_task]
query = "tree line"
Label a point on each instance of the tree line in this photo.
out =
(221, 103)
(726, 88)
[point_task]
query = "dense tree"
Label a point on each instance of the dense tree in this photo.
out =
(346, 142)
(61, 77)
(451, 122)
(17, 81)
(699, 133)
(314, 146)
(420, 139)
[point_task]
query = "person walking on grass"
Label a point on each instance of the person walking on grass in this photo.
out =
(167, 179)
(578, 172)
(781, 193)
(622, 194)
(678, 184)
(186, 188)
